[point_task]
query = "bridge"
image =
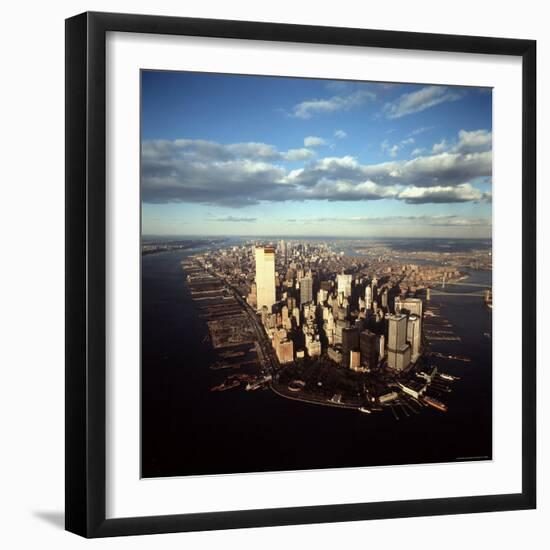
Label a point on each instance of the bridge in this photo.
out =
(460, 283)
(480, 294)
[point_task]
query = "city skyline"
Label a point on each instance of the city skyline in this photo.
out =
(264, 156)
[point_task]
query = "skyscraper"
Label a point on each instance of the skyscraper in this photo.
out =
(367, 344)
(399, 352)
(385, 298)
(350, 342)
(344, 284)
(265, 277)
(397, 331)
(412, 305)
(413, 336)
(368, 297)
(306, 290)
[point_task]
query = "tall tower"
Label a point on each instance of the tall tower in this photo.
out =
(306, 290)
(368, 298)
(399, 352)
(413, 336)
(367, 345)
(343, 281)
(265, 277)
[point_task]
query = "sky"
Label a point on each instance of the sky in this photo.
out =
(253, 155)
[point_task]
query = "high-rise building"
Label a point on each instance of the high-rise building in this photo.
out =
(399, 359)
(339, 326)
(412, 305)
(397, 331)
(306, 290)
(368, 347)
(413, 336)
(284, 348)
(265, 277)
(350, 342)
(385, 299)
(355, 360)
(399, 352)
(381, 346)
(397, 305)
(282, 246)
(368, 298)
(343, 282)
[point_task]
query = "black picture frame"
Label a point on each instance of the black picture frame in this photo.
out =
(86, 268)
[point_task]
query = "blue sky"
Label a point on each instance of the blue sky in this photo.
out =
(250, 155)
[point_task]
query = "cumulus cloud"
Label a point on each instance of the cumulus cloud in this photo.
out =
(428, 171)
(314, 141)
(240, 174)
(293, 155)
(340, 134)
(440, 147)
(392, 150)
(343, 102)
(475, 141)
(414, 102)
(464, 192)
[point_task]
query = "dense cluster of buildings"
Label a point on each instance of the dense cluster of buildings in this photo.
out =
(360, 322)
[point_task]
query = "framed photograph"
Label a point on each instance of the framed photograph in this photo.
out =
(300, 274)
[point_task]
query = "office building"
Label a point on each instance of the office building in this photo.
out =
(343, 282)
(397, 331)
(381, 341)
(399, 352)
(412, 305)
(306, 290)
(399, 359)
(265, 277)
(413, 336)
(368, 298)
(350, 342)
(339, 327)
(385, 299)
(355, 360)
(284, 348)
(368, 348)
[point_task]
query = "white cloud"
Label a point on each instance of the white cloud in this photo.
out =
(307, 109)
(464, 192)
(340, 134)
(314, 141)
(392, 150)
(474, 141)
(440, 147)
(246, 173)
(420, 100)
(294, 155)
(417, 151)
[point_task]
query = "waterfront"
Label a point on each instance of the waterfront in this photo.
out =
(186, 429)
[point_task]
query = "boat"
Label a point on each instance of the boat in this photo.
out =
(435, 403)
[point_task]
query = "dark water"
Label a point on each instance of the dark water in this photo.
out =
(186, 429)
